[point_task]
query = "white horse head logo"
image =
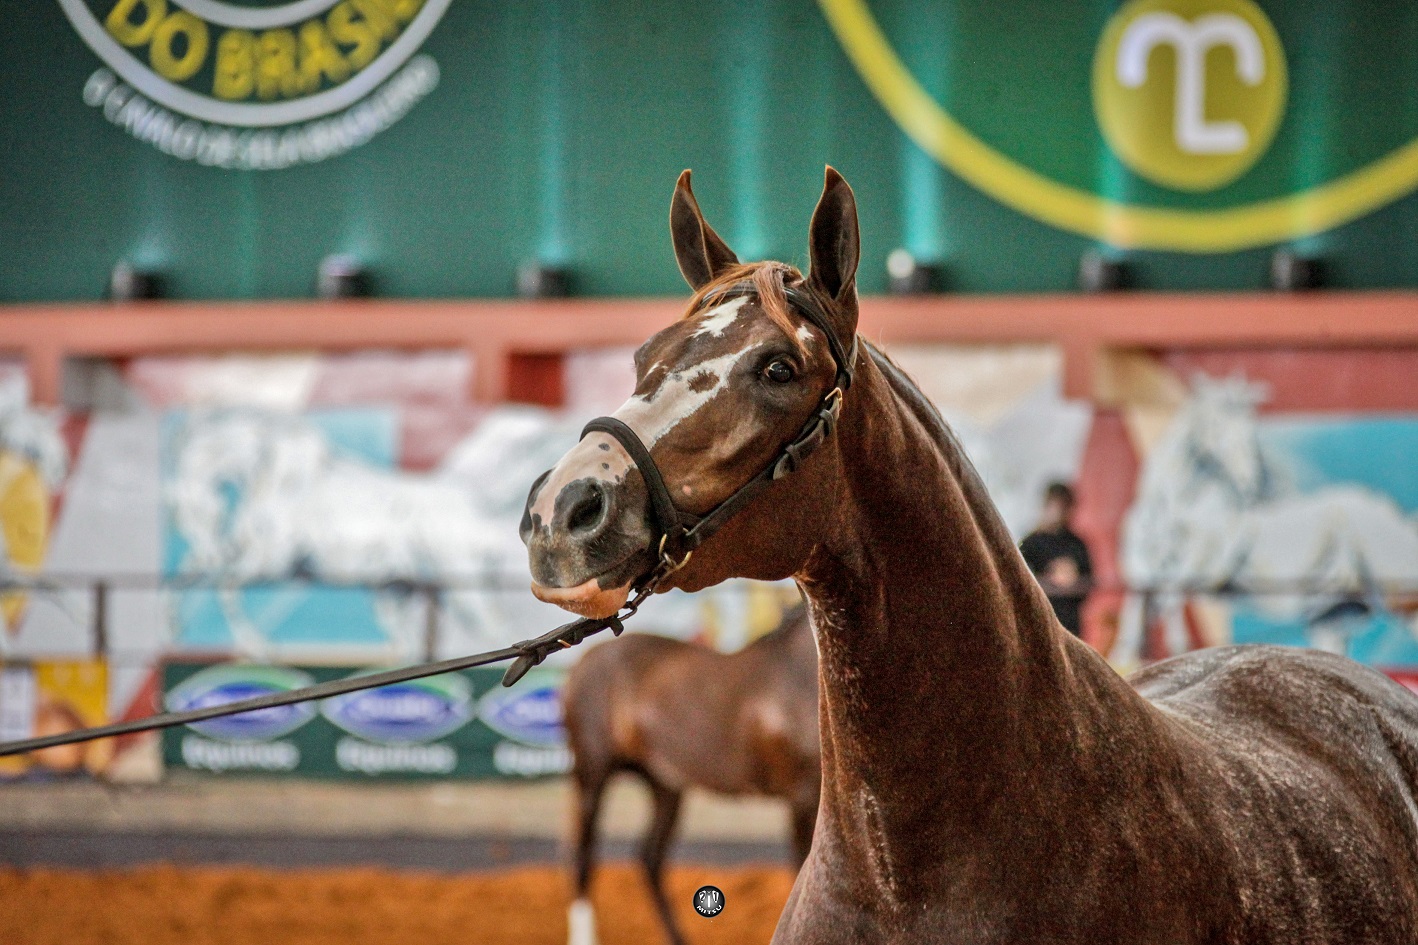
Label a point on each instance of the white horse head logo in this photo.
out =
(1193, 132)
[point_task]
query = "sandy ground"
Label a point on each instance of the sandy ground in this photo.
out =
(450, 808)
(230, 861)
(224, 906)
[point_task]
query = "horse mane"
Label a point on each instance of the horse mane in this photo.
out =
(982, 507)
(920, 405)
(770, 280)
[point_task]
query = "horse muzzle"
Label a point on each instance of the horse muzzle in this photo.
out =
(587, 535)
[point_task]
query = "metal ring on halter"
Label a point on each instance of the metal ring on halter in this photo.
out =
(670, 565)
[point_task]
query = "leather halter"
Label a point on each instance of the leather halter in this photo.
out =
(682, 532)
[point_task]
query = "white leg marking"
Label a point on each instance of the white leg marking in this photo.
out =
(581, 920)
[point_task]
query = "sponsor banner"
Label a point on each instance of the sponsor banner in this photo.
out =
(456, 725)
(48, 698)
(229, 145)
(255, 86)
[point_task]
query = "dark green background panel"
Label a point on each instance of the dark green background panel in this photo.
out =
(557, 130)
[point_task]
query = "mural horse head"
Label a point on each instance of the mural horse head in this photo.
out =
(1214, 513)
(985, 776)
(267, 497)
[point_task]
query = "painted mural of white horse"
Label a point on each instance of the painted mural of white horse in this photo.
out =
(263, 496)
(267, 496)
(1212, 514)
(29, 438)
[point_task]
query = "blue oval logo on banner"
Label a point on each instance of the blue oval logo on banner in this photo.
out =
(529, 713)
(221, 685)
(417, 711)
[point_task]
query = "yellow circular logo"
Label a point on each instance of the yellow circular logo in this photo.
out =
(1189, 93)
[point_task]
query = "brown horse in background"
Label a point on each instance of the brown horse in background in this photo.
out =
(987, 778)
(682, 715)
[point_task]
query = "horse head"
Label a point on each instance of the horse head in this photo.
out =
(31, 434)
(719, 393)
(225, 463)
(1218, 424)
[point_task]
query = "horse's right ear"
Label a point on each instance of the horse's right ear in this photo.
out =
(834, 241)
(700, 252)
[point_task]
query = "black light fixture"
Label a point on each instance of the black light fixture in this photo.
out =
(537, 280)
(1293, 272)
(1098, 273)
(342, 277)
(128, 283)
(907, 275)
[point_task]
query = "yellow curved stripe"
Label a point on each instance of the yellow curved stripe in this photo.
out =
(1124, 225)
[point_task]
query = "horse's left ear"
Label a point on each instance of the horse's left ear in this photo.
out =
(834, 240)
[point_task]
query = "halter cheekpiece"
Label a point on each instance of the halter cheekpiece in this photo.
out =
(680, 532)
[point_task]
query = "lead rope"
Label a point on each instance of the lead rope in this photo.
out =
(525, 655)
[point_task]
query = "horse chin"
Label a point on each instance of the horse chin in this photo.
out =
(586, 600)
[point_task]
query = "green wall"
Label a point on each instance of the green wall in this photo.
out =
(556, 131)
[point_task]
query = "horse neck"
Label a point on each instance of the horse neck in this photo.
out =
(944, 674)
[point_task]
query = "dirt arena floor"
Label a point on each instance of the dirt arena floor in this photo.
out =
(166, 905)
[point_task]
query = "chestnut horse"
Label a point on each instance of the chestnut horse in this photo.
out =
(986, 777)
(680, 715)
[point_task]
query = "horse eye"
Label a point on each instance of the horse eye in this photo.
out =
(779, 372)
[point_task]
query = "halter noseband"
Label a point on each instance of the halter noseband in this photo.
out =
(682, 532)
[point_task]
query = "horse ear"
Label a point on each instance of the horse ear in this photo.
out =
(834, 240)
(700, 252)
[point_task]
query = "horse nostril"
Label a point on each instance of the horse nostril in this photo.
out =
(589, 510)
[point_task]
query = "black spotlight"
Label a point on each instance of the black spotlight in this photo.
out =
(129, 284)
(342, 277)
(907, 275)
(1292, 272)
(1097, 273)
(541, 281)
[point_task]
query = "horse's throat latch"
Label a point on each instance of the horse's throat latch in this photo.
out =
(804, 446)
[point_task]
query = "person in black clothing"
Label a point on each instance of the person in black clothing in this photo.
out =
(1059, 558)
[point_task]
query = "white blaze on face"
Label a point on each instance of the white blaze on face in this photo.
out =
(681, 394)
(718, 318)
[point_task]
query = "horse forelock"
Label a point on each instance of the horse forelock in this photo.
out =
(770, 281)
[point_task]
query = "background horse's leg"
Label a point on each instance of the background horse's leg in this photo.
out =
(590, 777)
(804, 818)
(657, 843)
